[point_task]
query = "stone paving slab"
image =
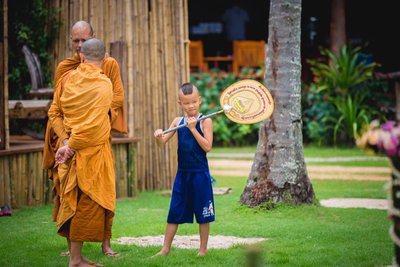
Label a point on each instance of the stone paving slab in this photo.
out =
(368, 203)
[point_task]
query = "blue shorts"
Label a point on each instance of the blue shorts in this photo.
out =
(192, 194)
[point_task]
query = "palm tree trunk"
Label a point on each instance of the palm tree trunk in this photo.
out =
(338, 25)
(279, 172)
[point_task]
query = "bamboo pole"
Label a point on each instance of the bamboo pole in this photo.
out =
(3, 178)
(5, 54)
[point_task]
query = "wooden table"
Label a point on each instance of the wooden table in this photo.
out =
(217, 59)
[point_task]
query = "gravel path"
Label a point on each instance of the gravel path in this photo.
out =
(189, 242)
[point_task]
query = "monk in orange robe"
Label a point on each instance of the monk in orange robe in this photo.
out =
(80, 32)
(86, 167)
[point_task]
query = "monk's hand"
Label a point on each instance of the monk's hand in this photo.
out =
(70, 152)
(63, 154)
(191, 122)
(60, 155)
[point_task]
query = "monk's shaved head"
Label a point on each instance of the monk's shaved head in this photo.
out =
(82, 25)
(80, 32)
(93, 49)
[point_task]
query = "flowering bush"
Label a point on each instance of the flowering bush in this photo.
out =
(383, 138)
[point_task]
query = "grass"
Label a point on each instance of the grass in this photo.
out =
(297, 236)
(310, 151)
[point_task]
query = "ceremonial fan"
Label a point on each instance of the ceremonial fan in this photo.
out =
(245, 102)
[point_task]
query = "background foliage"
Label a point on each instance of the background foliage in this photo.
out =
(34, 24)
(343, 97)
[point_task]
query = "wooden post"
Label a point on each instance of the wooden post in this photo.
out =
(397, 90)
(5, 143)
(2, 102)
(395, 210)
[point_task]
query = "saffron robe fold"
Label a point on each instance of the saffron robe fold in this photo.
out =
(118, 114)
(85, 102)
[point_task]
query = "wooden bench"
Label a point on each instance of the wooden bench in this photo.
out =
(37, 78)
(32, 108)
(28, 109)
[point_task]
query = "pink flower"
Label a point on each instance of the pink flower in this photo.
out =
(388, 126)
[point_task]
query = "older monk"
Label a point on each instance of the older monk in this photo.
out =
(86, 171)
(55, 134)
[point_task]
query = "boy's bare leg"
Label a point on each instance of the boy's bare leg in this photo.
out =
(204, 230)
(170, 232)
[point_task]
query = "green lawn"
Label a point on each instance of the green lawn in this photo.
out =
(296, 236)
(310, 151)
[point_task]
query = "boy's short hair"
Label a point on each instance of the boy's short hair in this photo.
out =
(187, 88)
(93, 49)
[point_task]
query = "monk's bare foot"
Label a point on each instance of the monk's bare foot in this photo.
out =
(106, 249)
(64, 254)
(81, 263)
(92, 263)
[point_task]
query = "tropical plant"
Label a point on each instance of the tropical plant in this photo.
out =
(346, 83)
(316, 107)
(341, 72)
(352, 116)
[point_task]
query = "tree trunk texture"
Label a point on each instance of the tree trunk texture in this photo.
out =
(338, 25)
(394, 211)
(279, 173)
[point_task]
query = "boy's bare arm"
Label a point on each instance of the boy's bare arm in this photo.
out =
(163, 138)
(205, 142)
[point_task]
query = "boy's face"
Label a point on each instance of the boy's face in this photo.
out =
(190, 103)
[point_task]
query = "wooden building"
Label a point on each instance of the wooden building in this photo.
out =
(149, 39)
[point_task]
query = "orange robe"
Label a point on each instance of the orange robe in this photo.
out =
(53, 140)
(84, 103)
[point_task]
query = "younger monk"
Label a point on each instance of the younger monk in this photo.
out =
(86, 171)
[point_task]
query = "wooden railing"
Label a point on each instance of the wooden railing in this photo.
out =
(24, 183)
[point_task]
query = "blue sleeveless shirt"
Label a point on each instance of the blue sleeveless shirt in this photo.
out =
(191, 157)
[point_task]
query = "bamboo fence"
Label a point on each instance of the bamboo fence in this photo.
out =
(156, 53)
(149, 39)
(23, 182)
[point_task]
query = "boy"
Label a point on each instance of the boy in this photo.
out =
(192, 191)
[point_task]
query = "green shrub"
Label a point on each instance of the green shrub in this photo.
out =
(342, 97)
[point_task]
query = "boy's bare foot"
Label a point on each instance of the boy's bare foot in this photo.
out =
(201, 253)
(161, 253)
